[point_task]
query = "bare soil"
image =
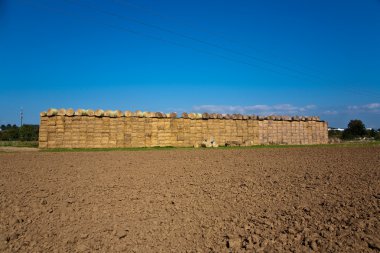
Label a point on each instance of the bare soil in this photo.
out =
(321, 199)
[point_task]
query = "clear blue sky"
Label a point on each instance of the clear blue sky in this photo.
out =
(293, 57)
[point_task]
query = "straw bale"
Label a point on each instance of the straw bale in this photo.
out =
(90, 112)
(107, 113)
(215, 115)
(173, 115)
(52, 112)
(61, 112)
(205, 115)
(138, 113)
(43, 114)
(127, 113)
(79, 112)
(185, 115)
(99, 113)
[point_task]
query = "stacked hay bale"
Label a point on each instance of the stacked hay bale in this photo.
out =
(43, 131)
(99, 129)
(127, 129)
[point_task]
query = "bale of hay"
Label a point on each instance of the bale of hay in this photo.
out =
(90, 113)
(52, 112)
(107, 113)
(173, 115)
(70, 112)
(185, 115)
(43, 114)
(138, 113)
(61, 112)
(119, 113)
(80, 112)
(112, 114)
(205, 115)
(199, 116)
(99, 113)
(213, 116)
(127, 113)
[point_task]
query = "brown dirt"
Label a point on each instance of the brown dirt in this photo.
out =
(255, 200)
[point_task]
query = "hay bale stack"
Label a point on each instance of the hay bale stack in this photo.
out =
(185, 115)
(43, 114)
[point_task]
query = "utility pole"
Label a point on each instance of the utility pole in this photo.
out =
(21, 116)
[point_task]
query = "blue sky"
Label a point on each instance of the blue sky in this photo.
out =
(291, 57)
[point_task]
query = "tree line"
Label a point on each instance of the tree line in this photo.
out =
(14, 133)
(355, 130)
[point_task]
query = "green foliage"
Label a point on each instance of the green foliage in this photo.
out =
(355, 129)
(335, 134)
(15, 133)
(28, 133)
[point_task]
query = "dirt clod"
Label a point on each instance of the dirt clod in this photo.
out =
(322, 199)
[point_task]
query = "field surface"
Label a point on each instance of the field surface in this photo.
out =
(298, 199)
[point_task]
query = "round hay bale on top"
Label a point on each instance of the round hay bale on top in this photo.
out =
(173, 115)
(107, 113)
(128, 113)
(61, 112)
(79, 112)
(43, 114)
(205, 115)
(52, 112)
(119, 113)
(185, 115)
(70, 112)
(99, 113)
(138, 113)
(191, 115)
(90, 113)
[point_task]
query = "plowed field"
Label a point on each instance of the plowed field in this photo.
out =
(324, 199)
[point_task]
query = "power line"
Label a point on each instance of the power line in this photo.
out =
(213, 33)
(179, 44)
(193, 39)
(155, 13)
(169, 42)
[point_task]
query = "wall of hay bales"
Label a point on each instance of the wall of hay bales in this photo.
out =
(69, 129)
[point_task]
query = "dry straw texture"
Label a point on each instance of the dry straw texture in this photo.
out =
(86, 128)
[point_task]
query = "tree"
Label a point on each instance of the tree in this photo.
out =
(28, 133)
(355, 129)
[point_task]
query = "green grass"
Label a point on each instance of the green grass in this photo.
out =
(29, 144)
(344, 144)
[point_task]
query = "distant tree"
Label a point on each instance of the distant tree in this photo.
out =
(355, 129)
(10, 133)
(371, 133)
(28, 133)
(335, 134)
